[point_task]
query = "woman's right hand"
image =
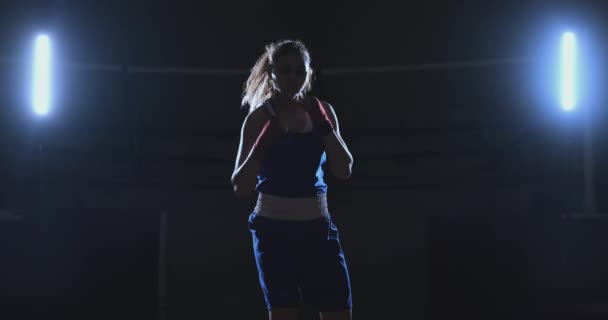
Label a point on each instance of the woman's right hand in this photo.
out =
(267, 137)
(272, 107)
(278, 108)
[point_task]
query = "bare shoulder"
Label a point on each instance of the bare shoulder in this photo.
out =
(328, 107)
(259, 114)
(256, 119)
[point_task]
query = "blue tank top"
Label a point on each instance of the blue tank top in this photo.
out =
(293, 166)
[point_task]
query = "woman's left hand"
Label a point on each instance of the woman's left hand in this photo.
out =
(317, 113)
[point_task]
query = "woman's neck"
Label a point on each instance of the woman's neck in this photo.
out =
(286, 104)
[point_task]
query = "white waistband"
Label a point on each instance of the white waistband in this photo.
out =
(286, 208)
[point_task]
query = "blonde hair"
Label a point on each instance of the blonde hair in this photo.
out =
(258, 87)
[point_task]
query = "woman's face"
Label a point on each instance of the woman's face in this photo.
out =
(289, 74)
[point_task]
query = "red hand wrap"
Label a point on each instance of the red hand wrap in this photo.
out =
(319, 117)
(267, 137)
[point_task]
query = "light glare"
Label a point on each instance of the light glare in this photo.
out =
(42, 75)
(568, 67)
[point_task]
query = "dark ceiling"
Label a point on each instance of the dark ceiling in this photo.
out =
(339, 33)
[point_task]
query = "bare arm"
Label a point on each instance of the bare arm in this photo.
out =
(339, 158)
(244, 176)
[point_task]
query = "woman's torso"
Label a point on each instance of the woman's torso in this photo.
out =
(290, 182)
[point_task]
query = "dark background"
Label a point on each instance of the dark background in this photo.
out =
(462, 172)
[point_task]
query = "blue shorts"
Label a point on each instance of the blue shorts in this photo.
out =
(300, 262)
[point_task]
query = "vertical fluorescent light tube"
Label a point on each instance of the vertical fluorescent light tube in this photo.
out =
(42, 75)
(568, 68)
